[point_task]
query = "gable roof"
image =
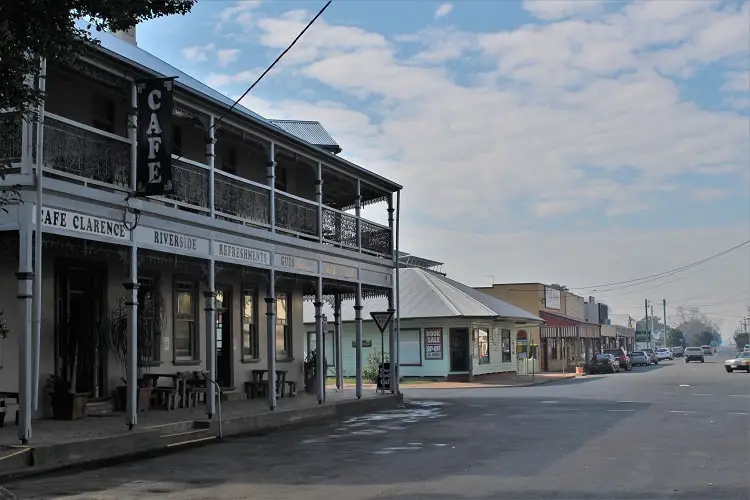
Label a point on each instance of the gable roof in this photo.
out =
(310, 131)
(426, 294)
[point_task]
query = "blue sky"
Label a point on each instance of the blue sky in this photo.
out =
(513, 121)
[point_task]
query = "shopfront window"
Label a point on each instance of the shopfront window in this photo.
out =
(482, 343)
(249, 325)
(410, 347)
(185, 333)
(283, 329)
(505, 337)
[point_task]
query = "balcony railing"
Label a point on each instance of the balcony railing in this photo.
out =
(100, 159)
(10, 138)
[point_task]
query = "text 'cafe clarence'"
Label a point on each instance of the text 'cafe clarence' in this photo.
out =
(82, 223)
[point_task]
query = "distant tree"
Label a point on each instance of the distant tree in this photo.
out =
(697, 328)
(562, 288)
(741, 338)
(674, 337)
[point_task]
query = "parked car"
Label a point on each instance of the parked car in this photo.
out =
(651, 356)
(639, 358)
(707, 350)
(604, 363)
(694, 354)
(664, 353)
(740, 362)
(677, 351)
(621, 356)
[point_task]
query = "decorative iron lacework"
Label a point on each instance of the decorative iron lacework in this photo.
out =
(375, 238)
(184, 111)
(93, 72)
(10, 138)
(190, 184)
(295, 215)
(340, 227)
(239, 199)
(86, 154)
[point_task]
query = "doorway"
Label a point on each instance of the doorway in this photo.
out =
(224, 345)
(80, 332)
(459, 350)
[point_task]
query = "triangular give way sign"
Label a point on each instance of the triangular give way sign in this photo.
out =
(382, 319)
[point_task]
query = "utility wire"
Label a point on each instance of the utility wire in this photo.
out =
(652, 277)
(268, 69)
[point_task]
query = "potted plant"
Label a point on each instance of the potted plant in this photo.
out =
(150, 320)
(310, 368)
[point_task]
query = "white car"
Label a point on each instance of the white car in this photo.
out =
(663, 353)
(741, 362)
(639, 358)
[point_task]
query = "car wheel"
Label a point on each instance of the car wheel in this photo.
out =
(702, 360)
(729, 370)
(687, 360)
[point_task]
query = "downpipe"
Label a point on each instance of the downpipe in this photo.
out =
(218, 403)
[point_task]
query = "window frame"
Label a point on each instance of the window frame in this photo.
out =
(478, 351)
(505, 334)
(254, 339)
(311, 334)
(287, 330)
(154, 278)
(194, 357)
(419, 346)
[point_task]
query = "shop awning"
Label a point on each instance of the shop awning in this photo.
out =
(561, 326)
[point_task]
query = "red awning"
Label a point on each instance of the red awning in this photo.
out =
(554, 320)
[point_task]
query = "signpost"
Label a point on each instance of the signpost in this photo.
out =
(381, 319)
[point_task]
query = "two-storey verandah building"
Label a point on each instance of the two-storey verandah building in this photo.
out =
(260, 220)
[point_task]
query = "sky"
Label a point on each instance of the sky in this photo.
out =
(557, 141)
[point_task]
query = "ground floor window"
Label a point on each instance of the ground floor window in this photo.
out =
(283, 327)
(249, 325)
(185, 312)
(410, 347)
(482, 343)
(552, 348)
(505, 339)
(149, 312)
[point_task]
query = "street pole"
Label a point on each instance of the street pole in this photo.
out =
(648, 327)
(652, 326)
(664, 304)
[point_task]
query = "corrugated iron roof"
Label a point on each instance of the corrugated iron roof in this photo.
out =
(425, 294)
(310, 131)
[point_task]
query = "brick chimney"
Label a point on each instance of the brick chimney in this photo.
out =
(127, 35)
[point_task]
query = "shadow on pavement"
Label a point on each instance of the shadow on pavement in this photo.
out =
(426, 440)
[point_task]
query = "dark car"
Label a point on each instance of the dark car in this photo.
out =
(604, 363)
(621, 357)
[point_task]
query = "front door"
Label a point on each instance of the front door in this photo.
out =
(224, 337)
(80, 326)
(460, 354)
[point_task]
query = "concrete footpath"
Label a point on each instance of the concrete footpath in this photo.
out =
(63, 449)
(481, 381)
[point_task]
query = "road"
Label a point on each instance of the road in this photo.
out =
(675, 430)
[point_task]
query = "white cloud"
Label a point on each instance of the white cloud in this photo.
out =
(707, 194)
(219, 80)
(227, 56)
(197, 53)
(550, 10)
(443, 10)
(473, 154)
(737, 81)
(240, 12)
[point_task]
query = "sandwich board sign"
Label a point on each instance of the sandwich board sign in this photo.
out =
(382, 319)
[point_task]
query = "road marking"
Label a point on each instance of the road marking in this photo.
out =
(680, 411)
(739, 395)
(738, 413)
(620, 410)
(549, 402)
(626, 401)
(668, 393)
(684, 385)
(700, 394)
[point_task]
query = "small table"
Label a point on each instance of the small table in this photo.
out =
(4, 408)
(176, 394)
(259, 378)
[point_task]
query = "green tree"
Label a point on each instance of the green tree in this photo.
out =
(35, 29)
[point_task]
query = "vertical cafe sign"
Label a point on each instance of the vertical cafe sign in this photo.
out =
(154, 164)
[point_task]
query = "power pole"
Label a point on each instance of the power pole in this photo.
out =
(652, 326)
(664, 303)
(648, 326)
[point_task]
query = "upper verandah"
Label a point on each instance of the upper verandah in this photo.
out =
(133, 56)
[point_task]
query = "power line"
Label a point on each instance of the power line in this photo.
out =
(652, 277)
(268, 69)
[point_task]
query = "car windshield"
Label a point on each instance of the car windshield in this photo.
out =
(662, 350)
(693, 349)
(744, 355)
(603, 356)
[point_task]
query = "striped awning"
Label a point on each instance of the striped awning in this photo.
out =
(559, 332)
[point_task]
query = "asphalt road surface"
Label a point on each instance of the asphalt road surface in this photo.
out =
(675, 430)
